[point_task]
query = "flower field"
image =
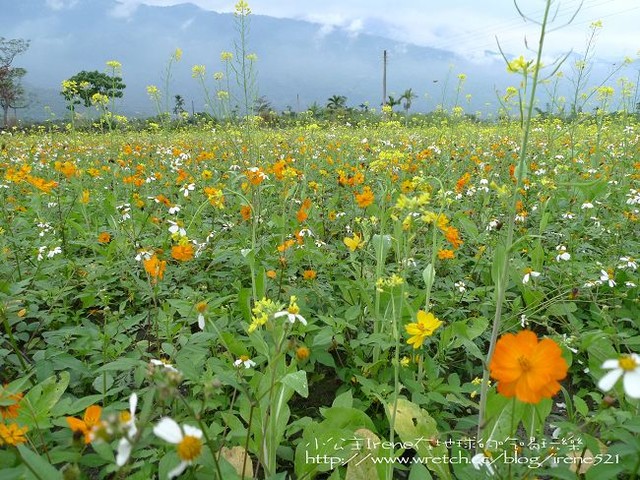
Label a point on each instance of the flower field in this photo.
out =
(318, 302)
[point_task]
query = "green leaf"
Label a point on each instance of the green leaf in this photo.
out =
(297, 381)
(41, 399)
(412, 423)
(419, 472)
(429, 276)
(360, 466)
(580, 406)
(561, 309)
(343, 400)
(498, 266)
(381, 245)
(38, 465)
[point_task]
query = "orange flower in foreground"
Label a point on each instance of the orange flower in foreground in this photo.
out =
(527, 368)
(184, 253)
(88, 424)
(104, 237)
(155, 267)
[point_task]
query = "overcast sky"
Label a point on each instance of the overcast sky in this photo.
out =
(468, 27)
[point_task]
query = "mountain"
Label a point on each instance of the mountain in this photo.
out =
(298, 62)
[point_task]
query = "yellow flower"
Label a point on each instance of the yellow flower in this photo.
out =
(12, 434)
(424, 327)
(354, 242)
(198, 71)
(114, 64)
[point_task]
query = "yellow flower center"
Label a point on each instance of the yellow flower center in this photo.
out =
(189, 448)
(293, 309)
(125, 417)
(524, 363)
(627, 363)
(201, 307)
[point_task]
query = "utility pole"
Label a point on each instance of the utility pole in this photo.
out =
(384, 78)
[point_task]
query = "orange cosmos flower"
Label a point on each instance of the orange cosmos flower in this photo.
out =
(155, 267)
(365, 198)
(104, 237)
(462, 182)
(183, 253)
(445, 254)
(88, 424)
(527, 368)
(452, 236)
(12, 434)
(11, 410)
(303, 211)
(309, 274)
(245, 211)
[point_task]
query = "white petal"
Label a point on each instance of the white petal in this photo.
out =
(201, 321)
(124, 450)
(176, 472)
(280, 314)
(301, 319)
(192, 431)
(133, 404)
(609, 364)
(168, 430)
(632, 383)
(607, 382)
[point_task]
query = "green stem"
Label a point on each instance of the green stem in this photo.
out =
(504, 275)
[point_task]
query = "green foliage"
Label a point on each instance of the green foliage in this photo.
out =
(81, 88)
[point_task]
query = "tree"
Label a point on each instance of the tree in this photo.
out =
(336, 102)
(178, 108)
(407, 97)
(393, 101)
(11, 91)
(79, 89)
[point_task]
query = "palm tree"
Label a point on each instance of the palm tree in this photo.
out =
(336, 102)
(393, 101)
(407, 97)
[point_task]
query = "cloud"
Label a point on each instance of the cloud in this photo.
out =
(61, 4)
(467, 28)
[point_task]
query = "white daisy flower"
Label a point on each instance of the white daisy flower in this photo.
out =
(627, 367)
(244, 361)
(607, 277)
(479, 460)
(176, 229)
(129, 423)
(530, 274)
(292, 312)
(187, 188)
(628, 262)
(188, 441)
(563, 254)
(160, 363)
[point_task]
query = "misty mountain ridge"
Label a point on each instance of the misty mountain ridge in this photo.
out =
(299, 62)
